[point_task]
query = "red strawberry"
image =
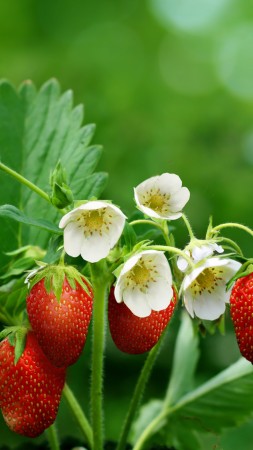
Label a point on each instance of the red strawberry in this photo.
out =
(60, 326)
(132, 334)
(30, 391)
(241, 309)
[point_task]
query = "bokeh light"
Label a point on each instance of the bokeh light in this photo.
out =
(235, 61)
(189, 14)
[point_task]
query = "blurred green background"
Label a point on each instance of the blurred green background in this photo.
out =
(169, 84)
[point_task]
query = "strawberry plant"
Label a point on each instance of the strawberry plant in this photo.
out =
(71, 263)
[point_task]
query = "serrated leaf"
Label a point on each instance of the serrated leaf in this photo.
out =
(186, 355)
(94, 185)
(222, 402)
(37, 128)
(11, 212)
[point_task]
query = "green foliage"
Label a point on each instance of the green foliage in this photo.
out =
(222, 402)
(37, 129)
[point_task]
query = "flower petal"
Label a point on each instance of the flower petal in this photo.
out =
(136, 301)
(209, 306)
(73, 239)
(95, 247)
(160, 295)
(179, 199)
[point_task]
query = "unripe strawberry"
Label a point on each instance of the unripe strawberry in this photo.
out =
(61, 326)
(241, 310)
(133, 334)
(30, 391)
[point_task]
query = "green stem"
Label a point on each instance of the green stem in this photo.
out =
(232, 225)
(233, 244)
(188, 226)
(99, 280)
(53, 438)
(138, 392)
(150, 429)
(79, 415)
(24, 181)
(177, 251)
(148, 222)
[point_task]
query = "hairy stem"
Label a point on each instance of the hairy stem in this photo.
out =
(99, 279)
(52, 438)
(232, 225)
(138, 392)
(79, 415)
(24, 181)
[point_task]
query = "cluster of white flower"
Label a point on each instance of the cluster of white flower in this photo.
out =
(145, 281)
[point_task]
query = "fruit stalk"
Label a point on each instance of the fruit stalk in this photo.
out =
(99, 279)
(79, 415)
(53, 438)
(138, 393)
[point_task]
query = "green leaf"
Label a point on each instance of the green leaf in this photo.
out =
(146, 414)
(222, 402)
(13, 213)
(185, 360)
(37, 128)
(12, 299)
(129, 236)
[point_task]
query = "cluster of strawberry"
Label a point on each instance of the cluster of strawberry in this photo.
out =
(31, 388)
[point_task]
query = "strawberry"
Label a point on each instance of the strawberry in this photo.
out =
(60, 324)
(30, 390)
(241, 309)
(132, 334)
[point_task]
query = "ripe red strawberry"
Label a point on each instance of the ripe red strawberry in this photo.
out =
(241, 309)
(132, 334)
(60, 326)
(30, 391)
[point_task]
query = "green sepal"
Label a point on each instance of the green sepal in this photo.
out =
(129, 236)
(20, 342)
(245, 269)
(54, 275)
(61, 195)
(17, 338)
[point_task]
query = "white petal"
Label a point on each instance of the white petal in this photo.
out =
(136, 301)
(70, 216)
(169, 183)
(148, 211)
(201, 252)
(209, 306)
(159, 295)
(217, 248)
(119, 287)
(95, 247)
(188, 301)
(179, 199)
(73, 239)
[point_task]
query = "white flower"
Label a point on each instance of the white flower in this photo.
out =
(204, 289)
(92, 229)
(145, 283)
(162, 197)
(198, 252)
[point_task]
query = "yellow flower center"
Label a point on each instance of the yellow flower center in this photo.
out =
(207, 280)
(140, 274)
(94, 220)
(156, 200)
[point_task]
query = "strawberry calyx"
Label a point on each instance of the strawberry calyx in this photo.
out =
(54, 275)
(17, 338)
(245, 269)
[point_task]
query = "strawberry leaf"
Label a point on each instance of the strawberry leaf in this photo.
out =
(224, 401)
(11, 212)
(185, 359)
(37, 128)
